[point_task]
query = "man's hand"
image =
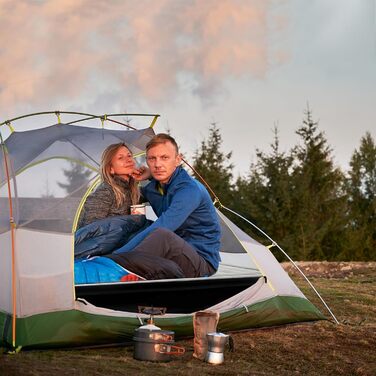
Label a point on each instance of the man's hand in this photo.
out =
(141, 173)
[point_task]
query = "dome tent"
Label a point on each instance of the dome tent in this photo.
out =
(45, 175)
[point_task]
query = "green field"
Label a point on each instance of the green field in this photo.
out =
(320, 348)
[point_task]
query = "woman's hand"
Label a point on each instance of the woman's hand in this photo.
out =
(141, 173)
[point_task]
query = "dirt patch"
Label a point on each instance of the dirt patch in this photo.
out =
(326, 269)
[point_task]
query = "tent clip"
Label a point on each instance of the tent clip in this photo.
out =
(246, 308)
(274, 244)
(216, 201)
(12, 223)
(103, 119)
(8, 123)
(57, 113)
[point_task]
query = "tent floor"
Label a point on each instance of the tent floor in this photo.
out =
(178, 296)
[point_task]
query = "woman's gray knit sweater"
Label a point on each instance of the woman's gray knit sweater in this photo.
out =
(101, 203)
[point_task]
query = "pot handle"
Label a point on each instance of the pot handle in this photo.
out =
(161, 337)
(169, 349)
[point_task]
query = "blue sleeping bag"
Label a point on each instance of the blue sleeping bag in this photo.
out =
(98, 270)
(104, 236)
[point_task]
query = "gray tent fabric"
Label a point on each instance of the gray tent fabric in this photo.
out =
(82, 143)
(60, 145)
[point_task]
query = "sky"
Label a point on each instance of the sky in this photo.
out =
(247, 65)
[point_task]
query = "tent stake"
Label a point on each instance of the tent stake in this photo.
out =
(290, 259)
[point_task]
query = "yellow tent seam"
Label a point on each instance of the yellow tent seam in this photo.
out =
(153, 121)
(74, 226)
(9, 124)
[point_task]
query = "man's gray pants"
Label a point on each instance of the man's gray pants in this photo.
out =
(163, 254)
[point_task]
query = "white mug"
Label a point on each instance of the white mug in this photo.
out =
(138, 209)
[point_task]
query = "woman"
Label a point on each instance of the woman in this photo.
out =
(104, 222)
(118, 190)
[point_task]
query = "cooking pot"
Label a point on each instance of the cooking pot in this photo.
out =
(154, 344)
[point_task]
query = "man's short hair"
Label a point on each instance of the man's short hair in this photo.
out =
(162, 138)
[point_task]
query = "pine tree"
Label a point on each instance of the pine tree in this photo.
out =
(319, 202)
(215, 166)
(48, 193)
(265, 195)
(276, 169)
(246, 201)
(77, 179)
(361, 190)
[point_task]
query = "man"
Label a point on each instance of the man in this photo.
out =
(186, 235)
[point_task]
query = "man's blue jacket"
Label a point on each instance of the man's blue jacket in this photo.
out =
(183, 206)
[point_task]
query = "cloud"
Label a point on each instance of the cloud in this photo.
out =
(65, 50)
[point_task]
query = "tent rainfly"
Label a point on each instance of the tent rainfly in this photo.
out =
(45, 176)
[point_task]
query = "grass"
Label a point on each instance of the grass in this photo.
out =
(319, 348)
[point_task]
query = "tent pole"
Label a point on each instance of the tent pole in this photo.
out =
(290, 259)
(12, 231)
(90, 116)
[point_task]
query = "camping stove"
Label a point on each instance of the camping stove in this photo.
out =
(152, 343)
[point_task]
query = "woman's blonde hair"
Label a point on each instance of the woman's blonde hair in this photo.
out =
(106, 175)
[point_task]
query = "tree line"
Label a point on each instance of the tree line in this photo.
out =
(311, 208)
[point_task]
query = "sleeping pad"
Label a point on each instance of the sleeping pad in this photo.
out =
(101, 270)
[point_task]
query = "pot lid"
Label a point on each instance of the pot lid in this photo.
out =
(149, 327)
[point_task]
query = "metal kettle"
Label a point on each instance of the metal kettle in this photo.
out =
(216, 347)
